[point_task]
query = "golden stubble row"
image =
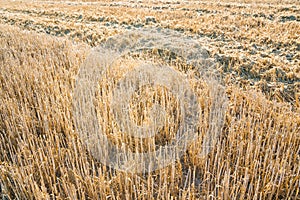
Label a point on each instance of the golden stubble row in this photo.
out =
(42, 156)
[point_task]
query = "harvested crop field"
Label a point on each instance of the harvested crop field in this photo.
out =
(239, 59)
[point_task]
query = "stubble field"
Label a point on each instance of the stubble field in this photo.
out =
(255, 48)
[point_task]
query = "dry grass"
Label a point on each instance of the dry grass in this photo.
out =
(255, 41)
(42, 156)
